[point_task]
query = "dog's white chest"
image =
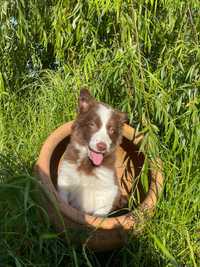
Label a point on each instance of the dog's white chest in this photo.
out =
(93, 194)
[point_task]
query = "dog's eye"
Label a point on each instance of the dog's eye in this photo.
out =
(92, 124)
(111, 130)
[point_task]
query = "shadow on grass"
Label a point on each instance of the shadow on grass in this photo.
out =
(139, 253)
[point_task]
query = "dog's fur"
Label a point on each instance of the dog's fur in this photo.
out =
(86, 177)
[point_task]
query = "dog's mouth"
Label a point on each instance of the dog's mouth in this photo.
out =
(95, 156)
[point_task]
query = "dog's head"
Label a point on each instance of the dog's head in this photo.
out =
(98, 127)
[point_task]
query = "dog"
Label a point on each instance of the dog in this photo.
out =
(86, 177)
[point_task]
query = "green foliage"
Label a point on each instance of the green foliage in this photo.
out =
(141, 57)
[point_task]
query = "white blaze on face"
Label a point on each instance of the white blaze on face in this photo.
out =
(102, 135)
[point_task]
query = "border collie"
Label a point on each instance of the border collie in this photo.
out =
(86, 176)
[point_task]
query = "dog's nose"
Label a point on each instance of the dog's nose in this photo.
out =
(101, 146)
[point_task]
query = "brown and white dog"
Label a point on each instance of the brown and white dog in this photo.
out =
(86, 177)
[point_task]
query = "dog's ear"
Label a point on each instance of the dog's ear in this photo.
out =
(85, 100)
(123, 116)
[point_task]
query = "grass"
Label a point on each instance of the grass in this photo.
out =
(142, 59)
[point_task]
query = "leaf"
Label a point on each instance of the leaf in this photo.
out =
(164, 250)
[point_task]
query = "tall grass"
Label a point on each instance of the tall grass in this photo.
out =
(141, 57)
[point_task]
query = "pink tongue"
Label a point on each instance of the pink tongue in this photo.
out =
(96, 158)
